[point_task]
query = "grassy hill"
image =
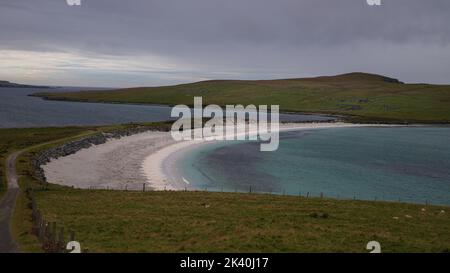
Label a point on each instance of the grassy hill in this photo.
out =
(363, 97)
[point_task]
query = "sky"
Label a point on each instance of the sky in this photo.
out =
(116, 43)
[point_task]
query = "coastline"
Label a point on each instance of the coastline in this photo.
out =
(145, 158)
(160, 168)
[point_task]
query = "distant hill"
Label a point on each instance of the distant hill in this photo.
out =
(361, 97)
(12, 85)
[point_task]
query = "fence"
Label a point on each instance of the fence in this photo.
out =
(253, 190)
(51, 238)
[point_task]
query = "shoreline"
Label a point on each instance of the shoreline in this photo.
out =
(146, 158)
(160, 167)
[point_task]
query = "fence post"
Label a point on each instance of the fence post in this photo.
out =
(143, 187)
(53, 240)
(307, 195)
(250, 189)
(61, 245)
(53, 232)
(321, 195)
(47, 237)
(42, 231)
(48, 231)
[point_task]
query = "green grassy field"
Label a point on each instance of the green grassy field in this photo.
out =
(115, 221)
(361, 97)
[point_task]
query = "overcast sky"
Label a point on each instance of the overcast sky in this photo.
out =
(160, 42)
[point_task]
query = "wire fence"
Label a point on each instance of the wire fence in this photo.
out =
(145, 187)
(51, 237)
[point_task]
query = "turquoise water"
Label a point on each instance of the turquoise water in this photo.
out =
(406, 164)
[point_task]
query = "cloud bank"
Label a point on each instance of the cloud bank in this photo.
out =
(158, 42)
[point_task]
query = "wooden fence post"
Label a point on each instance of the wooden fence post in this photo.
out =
(42, 231)
(61, 242)
(54, 232)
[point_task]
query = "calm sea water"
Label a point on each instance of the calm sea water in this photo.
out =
(410, 164)
(17, 109)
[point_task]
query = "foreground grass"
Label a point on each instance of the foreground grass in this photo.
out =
(361, 97)
(117, 221)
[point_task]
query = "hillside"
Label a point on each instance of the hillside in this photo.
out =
(363, 97)
(16, 85)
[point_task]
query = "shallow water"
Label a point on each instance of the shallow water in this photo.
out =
(406, 164)
(17, 109)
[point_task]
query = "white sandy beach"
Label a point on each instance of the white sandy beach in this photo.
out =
(133, 160)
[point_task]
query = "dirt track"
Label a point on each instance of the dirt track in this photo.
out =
(7, 244)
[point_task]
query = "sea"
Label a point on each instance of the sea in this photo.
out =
(400, 164)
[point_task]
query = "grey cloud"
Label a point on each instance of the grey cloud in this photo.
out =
(243, 38)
